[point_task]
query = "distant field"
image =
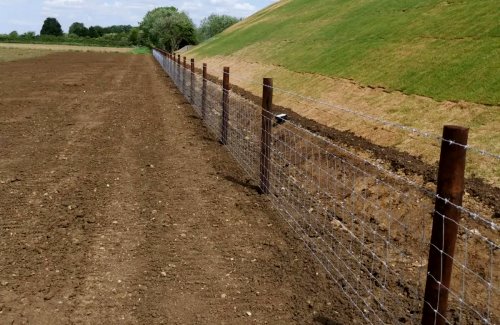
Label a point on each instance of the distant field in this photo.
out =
(7, 54)
(14, 52)
(53, 47)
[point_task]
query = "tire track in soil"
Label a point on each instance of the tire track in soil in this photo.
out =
(116, 207)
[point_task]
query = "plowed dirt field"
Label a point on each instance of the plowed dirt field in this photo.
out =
(116, 206)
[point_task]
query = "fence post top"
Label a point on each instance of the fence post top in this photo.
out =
(226, 69)
(268, 82)
(455, 127)
(455, 133)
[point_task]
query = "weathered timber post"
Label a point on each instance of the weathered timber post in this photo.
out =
(204, 91)
(178, 70)
(172, 65)
(225, 105)
(184, 68)
(171, 62)
(450, 190)
(192, 81)
(165, 61)
(267, 118)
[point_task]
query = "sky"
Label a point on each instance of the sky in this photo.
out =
(28, 15)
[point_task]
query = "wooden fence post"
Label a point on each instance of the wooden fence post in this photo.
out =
(184, 67)
(178, 70)
(192, 81)
(450, 190)
(267, 118)
(204, 92)
(225, 105)
(172, 65)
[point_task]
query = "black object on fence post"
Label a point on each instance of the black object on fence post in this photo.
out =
(267, 118)
(225, 105)
(204, 92)
(450, 190)
(192, 81)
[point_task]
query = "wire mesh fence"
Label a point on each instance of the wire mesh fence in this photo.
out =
(369, 227)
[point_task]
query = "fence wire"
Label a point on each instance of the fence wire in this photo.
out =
(368, 227)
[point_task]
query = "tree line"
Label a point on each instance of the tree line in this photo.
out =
(164, 27)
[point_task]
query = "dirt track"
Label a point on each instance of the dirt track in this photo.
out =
(116, 206)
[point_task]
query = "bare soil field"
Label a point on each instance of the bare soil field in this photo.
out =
(116, 206)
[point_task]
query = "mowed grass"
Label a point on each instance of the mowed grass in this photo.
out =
(446, 50)
(141, 51)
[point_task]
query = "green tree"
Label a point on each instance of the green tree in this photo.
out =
(14, 34)
(117, 29)
(215, 24)
(168, 28)
(51, 27)
(29, 35)
(78, 29)
(93, 32)
(133, 36)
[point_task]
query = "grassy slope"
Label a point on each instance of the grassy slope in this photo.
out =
(447, 50)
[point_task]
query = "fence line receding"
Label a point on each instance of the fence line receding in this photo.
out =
(370, 228)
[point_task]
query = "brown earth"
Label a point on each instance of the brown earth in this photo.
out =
(116, 206)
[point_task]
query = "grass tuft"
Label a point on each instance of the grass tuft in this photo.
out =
(141, 51)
